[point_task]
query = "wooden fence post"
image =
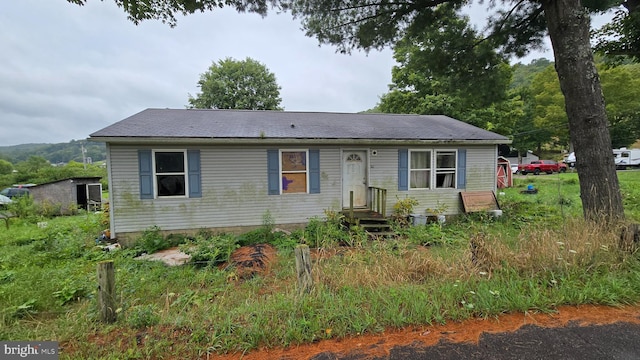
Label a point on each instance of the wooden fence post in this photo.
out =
(303, 269)
(106, 291)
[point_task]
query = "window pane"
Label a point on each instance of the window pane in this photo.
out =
(170, 185)
(445, 180)
(294, 161)
(446, 160)
(420, 159)
(294, 183)
(168, 162)
(419, 179)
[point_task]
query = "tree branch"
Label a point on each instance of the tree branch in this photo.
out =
(508, 15)
(516, 26)
(409, 4)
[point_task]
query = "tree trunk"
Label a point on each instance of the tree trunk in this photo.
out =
(568, 23)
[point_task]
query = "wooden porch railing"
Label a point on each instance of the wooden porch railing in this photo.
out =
(378, 200)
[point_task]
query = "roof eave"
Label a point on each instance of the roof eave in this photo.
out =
(288, 141)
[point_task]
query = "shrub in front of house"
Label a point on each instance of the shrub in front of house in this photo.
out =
(151, 241)
(207, 249)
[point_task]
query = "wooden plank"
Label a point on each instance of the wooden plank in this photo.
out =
(473, 201)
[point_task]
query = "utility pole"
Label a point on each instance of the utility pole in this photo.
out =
(84, 157)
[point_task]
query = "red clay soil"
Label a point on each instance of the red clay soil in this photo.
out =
(467, 331)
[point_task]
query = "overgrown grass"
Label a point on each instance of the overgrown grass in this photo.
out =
(537, 256)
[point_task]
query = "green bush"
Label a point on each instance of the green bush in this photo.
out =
(23, 207)
(323, 234)
(206, 249)
(141, 316)
(152, 240)
(286, 242)
(49, 209)
(429, 234)
(262, 235)
(402, 210)
(257, 236)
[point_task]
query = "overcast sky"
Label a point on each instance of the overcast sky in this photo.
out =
(67, 71)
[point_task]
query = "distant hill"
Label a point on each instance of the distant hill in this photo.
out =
(55, 153)
(523, 74)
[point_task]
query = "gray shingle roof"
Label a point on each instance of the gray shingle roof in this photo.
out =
(246, 124)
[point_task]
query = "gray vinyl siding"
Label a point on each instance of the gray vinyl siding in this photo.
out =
(234, 188)
(234, 192)
(482, 168)
(481, 176)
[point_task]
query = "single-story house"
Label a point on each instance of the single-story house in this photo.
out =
(186, 169)
(67, 195)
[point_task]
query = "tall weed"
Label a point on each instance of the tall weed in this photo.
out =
(210, 250)
(152, 241)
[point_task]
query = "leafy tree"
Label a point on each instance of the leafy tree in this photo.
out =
(523, 74)
(471, 85)
(516, 27)
(621, 87)
(621, 37)
(233, 84)
(525, 135)
(548, 106)
(33, 164)
(5, 167)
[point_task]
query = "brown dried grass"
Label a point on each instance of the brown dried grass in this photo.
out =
(577, 244)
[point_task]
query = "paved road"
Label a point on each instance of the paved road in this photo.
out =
(619, 341)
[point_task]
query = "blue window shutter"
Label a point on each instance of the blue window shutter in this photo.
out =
(273, 172)
(145, 168)
(403, 169)
(462, 168)
(195, 183)
(314, 171)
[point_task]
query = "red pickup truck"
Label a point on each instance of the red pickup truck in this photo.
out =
(539, 166)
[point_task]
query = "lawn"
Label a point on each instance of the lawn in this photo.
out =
(537, 256)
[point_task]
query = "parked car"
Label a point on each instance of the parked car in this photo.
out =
(14, 192)
(539, 166)
(4, 201)
(514, 168)
(570, 160)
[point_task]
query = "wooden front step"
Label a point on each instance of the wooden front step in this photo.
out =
(372, 222)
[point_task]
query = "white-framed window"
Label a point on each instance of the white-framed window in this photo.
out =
(432, 169)
(445, 169)
(170, 173)
(420, 169)
(294, 171)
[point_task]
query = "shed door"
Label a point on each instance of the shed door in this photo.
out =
(354, 178)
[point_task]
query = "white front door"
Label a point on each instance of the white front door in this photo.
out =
(354, 178)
